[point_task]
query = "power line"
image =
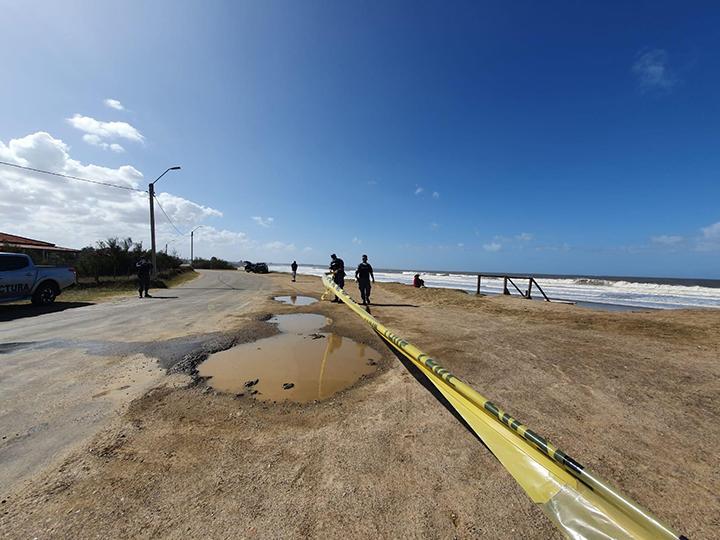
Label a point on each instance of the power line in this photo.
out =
(108, 184)
(168, 218)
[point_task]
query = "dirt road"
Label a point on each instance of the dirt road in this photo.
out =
(64, 374)
(631, 395)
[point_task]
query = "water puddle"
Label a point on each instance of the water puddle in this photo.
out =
(300, 323)
(296, 300)
(298, 365)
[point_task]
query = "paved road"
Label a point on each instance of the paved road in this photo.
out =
(65, 374)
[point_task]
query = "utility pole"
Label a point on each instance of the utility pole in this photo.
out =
(192, 234)
(151, 192)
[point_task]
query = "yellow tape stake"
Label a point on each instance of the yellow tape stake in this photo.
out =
(580, 504)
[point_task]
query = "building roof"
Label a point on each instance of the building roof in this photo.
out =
(29, 243)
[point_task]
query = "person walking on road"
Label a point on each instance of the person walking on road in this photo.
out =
(337, 269)
(363, 273)
(293, 267)
(143, 268)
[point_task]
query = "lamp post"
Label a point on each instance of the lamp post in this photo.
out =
(151, 192)
(192, 235)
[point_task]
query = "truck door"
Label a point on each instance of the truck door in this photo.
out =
(17, 277)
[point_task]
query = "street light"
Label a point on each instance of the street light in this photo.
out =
(192, 234)
(151, 191)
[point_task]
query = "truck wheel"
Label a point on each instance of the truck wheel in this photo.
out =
(44, 295)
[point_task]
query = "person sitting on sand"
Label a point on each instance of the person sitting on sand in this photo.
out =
(417, 282)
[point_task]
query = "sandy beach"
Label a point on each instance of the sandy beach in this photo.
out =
(634, 396)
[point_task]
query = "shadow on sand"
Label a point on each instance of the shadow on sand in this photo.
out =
(430, 387)
(21, 311)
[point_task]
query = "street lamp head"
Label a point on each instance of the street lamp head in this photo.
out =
(174, 168)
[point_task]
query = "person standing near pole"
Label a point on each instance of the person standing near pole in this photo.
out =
(293, 266)
(363, 273)
(143, 268)
(337, 269)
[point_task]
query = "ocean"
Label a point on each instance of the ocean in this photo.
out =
(594, 291)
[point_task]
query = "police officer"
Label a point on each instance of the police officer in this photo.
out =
(337, 269)
(363, 273)
(143, 268)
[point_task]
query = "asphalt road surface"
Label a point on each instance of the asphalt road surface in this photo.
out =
(66, 373)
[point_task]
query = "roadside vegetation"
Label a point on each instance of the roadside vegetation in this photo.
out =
(213, 264)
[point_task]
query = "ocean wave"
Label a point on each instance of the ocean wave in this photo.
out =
(593, 290)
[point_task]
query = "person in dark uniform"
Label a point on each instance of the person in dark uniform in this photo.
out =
(143, 268)
(293, 267)
(337, 269)
(363, 273)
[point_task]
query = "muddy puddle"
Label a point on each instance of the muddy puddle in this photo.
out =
(296, 300)
(298, 365)
(300, 323)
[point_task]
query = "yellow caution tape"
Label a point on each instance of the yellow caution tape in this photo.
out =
(580, 504)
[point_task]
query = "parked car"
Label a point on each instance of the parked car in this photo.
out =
(21, 279)
(257, 268)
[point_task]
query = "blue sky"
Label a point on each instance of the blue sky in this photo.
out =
(555, 137)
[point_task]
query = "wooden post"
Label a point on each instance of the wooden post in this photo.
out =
(505, 289)
(529, 292)
(478, 287)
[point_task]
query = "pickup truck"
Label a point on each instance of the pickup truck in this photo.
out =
(20, 279)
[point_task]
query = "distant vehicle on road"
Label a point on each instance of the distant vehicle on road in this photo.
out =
(21, 279)
(257, 268)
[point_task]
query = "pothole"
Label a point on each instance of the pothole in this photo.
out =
(296, 300)
(300, 323)
(298, 365)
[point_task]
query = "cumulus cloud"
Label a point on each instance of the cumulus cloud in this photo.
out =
(652, 71)
(667, 239)
(524, 237)
(710, 240)
(492, 247)
(114, 104)
(419, 190)
(263, 222)
(279, 246)
(76, 214)
(435, 195)
(356, 240)
(97, 132)
(94, 140)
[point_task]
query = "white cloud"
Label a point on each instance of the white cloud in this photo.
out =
(356, 240)
(94, 140)
(307, 248)
(263, 222)
(712, 232)
(75, 214)
(279, 246)
(435, 195)
(710, 240)
(114, 104)
(97, 132)
(524, 237)
(667, 240)
(492, 247)
(419, 190)
(460, 245)
(652, 71)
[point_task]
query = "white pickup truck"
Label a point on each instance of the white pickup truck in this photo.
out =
(20, 279)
